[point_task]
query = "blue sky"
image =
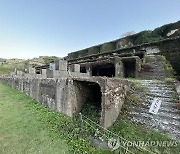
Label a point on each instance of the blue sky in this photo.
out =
(32, 28)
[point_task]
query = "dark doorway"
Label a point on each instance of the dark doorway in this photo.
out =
(89, 96)
(129, 66)
(83, 69)
(107, 70)
(140, 55)
(38, 71)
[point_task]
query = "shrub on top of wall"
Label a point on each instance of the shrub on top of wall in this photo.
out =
(94, 50)
(123, 43)
(73, 55)
(82, 53)
(107, 47)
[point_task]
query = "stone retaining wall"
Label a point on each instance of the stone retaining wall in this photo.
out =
(65, 95)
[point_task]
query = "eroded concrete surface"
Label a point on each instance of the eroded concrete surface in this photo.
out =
(68, 95)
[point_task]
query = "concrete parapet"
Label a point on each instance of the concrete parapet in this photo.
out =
(65, 74)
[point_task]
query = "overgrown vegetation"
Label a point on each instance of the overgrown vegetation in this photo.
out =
(157, 34)
(134, 132)
(9, 65)
(146, 36)
(168, 68)
(5, 70)
(169, 80)
(28, 127)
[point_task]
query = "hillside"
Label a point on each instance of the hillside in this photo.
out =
(163, 32)
(8, 65)
(146, 36)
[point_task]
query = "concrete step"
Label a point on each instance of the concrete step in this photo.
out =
(163, 112)
(168, 118)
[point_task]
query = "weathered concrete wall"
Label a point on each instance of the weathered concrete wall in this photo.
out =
(171, 50)
(32, 70)
(52, 93)
(65, 74)
(113, 95)
(74, 68)
(61, 65)
(68, 95)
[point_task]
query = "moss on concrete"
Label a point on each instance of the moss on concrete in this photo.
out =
(82, 53)
(168, 68)
(94, 50)
(107, 47)
(171, 50)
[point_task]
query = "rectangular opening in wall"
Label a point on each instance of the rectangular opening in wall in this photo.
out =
(89, 99)
(83, 69)
(107, 70)
(129, 66)
(140, 55)
(38, 71)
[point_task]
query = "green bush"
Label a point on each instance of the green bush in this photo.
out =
(94, 50)
(107, 47)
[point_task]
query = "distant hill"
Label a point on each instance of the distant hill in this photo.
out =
(8, 65)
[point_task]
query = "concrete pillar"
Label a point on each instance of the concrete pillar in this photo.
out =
(119, 69)
(138, 66)
(52, 66)
(49, 73)
(74, 68)
(44, 73)
(89, 70)
(20, 73)
(32, 71)
(61, 65)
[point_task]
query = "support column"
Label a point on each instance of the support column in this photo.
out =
(89, 70)
(119, 69)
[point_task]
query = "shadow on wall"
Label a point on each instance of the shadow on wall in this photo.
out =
(88, 98)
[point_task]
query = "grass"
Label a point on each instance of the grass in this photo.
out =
(138, 85)
(28, 127)
(4, 70)
(169, 80)
(135, 98)
(168, 68)
(134, 132)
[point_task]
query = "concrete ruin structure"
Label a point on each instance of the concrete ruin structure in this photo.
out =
(66, 90)
(95, 75)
